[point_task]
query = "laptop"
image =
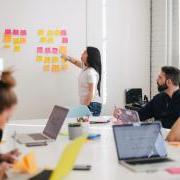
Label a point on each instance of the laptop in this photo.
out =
(140, 143)
(51, 130)
(126, 116)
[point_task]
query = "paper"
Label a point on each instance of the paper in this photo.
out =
(7, 39)
(173, 170)
(17, 48)
(46, 68)
(55, 50)
(50, 40)
(16, 41)
(57, 32)
(39, 49)
(23, 32)
(47, 50)
(22, 40)
(63, 50)
(15, 32)
(63, 33)
(56, 68)
(39, 58)
(6, 46)
(55, 59)
(47, 60)
(43, 40)
(68, 159)
(27, 164)
(64, 40)
(7, 32)
(41, 32)
(65, 66)
(49, 33)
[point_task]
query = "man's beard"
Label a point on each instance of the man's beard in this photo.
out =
(162, 87)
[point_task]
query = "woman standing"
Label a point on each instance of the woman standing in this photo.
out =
(89, 79)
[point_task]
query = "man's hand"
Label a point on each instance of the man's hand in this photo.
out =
(3, 168)
(117, 112)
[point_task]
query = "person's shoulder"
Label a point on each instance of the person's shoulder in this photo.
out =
(91, 70)
(159, 96)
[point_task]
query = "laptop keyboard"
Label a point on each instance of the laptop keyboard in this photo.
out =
(38, 136)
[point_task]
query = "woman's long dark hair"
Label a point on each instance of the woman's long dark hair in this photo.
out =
(94, 61)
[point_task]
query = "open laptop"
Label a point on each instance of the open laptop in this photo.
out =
(51, 130)
(140, 143)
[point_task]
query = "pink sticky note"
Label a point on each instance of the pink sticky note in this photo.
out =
(47, 50)
(8, 31)
(64, 40)
(173, 170)
(63, 33)
(15, 32)
(39, 49)
(23, 33)
(55, 50)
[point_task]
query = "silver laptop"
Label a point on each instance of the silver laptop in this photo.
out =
(140, 143)
(51, 129)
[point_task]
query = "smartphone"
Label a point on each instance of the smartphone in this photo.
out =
(82, 167)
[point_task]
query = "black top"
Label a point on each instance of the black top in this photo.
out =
(163, 108)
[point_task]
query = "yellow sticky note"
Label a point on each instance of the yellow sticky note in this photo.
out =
(65, 66)
(39, 59)
(22, 40)
(50, 33)
(55, 59)
(16, 40)
(57, 32)
(41, 32)
(68, 158)
(7, 46)
(43, 39)
(50, 40)
(46, 68)
(56, 68)
(17, 48)
(63, 50)
(47, 60)
(27, 164)
(7, 39)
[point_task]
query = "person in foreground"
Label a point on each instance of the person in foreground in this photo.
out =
(8, 101)
(89, 79)
(165, 106)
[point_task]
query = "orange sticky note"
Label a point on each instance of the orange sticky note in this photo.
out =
(7, 39)
(57, 32)
(41, 32)
(7, 46)
(63, 50)
(65, 66)
(43, 39)
(50, 40)
(39, 59)
(17, 48)
(46, 68)
(55, 59)
(55, 68)
(47, 60)
(16, 40)
(174, 143)
(22, 40)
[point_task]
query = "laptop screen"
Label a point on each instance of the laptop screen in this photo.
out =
(139, 141)
(55, 121)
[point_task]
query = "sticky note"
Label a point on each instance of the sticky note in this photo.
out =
(57, 32)
(46, 68)
(47, 50)
(7, 39)
(55, 68)
(50, 40)
(39, 58)
(7, 32)
(23, 32)
(68, 158)
(63, 33)
(39, 49)
(65, 66)
(64, 40)
(7, 46)
(41, 32)
(43, 39)
(55, 59)
(22, 40)
(175, 144)
(55, 50)
(47, 60)
(49, 33)
(17, 48)
(15, 32)
(16, 41)
(63, 50)
(173, 170)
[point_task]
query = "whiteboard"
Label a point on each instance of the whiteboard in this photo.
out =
(38, 91)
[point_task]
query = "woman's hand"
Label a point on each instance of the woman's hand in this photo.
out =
(117, 112)
(10, 157)
(66, 58)
(3, 168)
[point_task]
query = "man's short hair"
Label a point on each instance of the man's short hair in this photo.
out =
(172, 73)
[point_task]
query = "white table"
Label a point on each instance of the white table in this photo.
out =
(100, 154)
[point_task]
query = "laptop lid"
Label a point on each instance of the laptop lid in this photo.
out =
(55, 122)
(137, 141)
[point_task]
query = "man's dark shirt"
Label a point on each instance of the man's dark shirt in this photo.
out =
(163, 108)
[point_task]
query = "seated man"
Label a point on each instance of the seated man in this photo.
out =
(165, 106)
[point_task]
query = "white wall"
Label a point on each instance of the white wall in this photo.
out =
(128, 45)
